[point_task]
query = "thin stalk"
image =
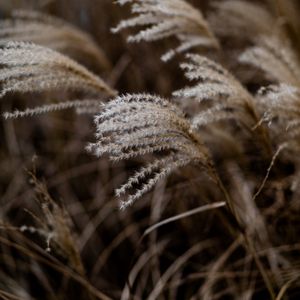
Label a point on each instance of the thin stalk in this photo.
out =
(263, 134)
(260, 267)
(249, 244)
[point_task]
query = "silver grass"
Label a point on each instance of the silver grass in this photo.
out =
(55, 225)
(275, 56)
(141, 124)
(281, 99)
(80, 105)
(166, 18)
(243, 19)
(27, 67)
(46, 30)
(215, 84)
(273, 52)
(281, 104)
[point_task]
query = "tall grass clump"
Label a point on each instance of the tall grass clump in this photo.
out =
(192, 189)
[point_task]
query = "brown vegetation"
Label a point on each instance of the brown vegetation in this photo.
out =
(200, 126)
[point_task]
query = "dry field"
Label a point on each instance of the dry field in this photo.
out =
(150, 149)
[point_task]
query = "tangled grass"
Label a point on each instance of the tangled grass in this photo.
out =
(206, 138)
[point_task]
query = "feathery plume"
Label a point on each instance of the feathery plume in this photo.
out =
(166, 18)
(27, 67)
(80, 105)
(55, 225)
(276, 57)
(243, 19)
(46, 30)
(140, 124)
(218, 85)
(282, 112)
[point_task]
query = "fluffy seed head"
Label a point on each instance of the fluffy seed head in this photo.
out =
(166, 18)
(141, 124)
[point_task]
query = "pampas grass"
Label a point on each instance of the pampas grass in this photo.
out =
(206, 173)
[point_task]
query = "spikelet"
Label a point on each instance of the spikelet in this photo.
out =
(272, 53)
(55, 225)
(81, 106)
(214, 83)
(166, 18)
(43, 29)
(27, 67)
(141, 124)
(282, 111)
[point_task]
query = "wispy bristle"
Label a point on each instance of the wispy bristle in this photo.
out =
(27, 67)
(29, 112)
(169, 18)
(46, 30)
(135, 125)
(214, 83)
